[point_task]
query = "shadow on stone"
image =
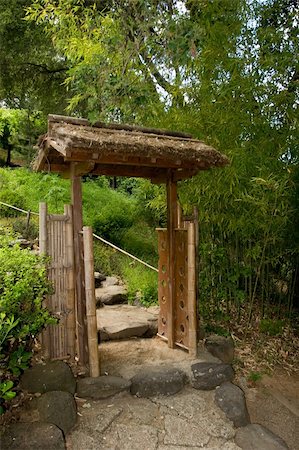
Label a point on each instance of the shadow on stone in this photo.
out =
(52, 376)
(32, 436)
(254, 436)
(158, 381)
(59, 408)
(207, 376)
(101, 387)
(231, 400)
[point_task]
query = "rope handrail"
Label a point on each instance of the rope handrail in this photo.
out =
(94, 235)
(124, 252)
(19, 209)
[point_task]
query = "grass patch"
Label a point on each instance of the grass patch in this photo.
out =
(142, 282)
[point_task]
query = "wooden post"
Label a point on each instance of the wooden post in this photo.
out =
(196, 225)
(43, 250)
(94, 366)
(82, 346)
(70, 283)
(192, 307)
(171, 225)
(179, 208)
(28, 220)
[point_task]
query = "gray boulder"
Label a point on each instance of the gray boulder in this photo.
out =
(111, 295)
(32, 436)
(206, 376)
(254, 436)
(125, 321)
(158, 381)
(52, 376)
(231, 400)
(221, 347)
(59, 408)
(101, 387)
(98, 278)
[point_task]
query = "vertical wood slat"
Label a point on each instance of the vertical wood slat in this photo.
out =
(181, 310)
(56, 240)
(171, 188)
(163, 277)
(192, 303)
(82, 344)
(70, 284)
(92, 334)
(43, 246)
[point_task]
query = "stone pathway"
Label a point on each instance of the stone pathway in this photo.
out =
(126, 321)
(188, 420)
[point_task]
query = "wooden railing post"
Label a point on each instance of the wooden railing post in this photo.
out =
(92, 334)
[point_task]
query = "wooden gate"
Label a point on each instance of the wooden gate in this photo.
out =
(56, 241)
(183, 313)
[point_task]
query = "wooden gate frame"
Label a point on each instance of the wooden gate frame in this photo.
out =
(75, 147)
(177, 281)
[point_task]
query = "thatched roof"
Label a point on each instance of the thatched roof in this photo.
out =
(122, 150)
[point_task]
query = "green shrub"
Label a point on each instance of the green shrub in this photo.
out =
(102, 258)
(142, 282)
(10, 197)
(23, 286)
(27, 231)
(272, 327)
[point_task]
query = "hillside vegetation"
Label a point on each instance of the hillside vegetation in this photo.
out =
(225, 71)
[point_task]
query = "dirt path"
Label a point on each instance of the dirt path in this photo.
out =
(274, 403)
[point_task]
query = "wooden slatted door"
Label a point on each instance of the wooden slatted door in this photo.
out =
(184, 316)
(56, 241)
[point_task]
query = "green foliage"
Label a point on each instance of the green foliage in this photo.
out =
(19, 130)
(19, 361)
(31, 70)
(109, 212)
(216, 329)
(27, 231)
(11, 198)
(254, 377)
(103, 257)
(6, 393)
(272, 327)
(23, 286)
(142, 282)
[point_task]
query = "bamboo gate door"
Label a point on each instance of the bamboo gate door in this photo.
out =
(56, 241)
(179, 317)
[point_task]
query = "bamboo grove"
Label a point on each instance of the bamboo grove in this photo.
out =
(226, 71)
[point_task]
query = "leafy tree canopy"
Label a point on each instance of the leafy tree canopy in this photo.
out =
(31, 70)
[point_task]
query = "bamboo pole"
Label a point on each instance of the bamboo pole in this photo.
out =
(92, 335)
(70, 284)
(171, 225)
(82, 345)
(192, 307)
(43, 247)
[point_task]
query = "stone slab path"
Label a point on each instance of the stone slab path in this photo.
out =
(187, 420)
(126, 321)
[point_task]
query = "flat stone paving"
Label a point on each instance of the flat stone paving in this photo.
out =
(126, 321)
(187, 420)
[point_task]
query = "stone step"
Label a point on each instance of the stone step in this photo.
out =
(111, 291)
(126, 321)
